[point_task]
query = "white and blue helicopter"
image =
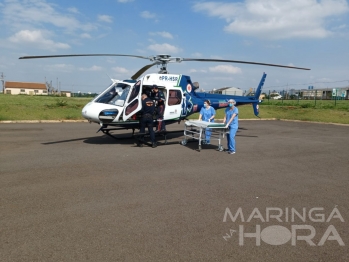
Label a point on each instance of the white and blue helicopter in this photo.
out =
(118, 105)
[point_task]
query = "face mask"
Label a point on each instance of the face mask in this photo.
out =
(231, 104)
(205, 105)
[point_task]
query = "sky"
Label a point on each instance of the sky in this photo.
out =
(304, 33)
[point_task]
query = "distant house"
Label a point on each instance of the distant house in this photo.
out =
(229, 91)
(25, 88)
(326, 93)
(66, 93)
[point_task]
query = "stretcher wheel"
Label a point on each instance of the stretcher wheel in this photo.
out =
(220, 148)
(183, 142)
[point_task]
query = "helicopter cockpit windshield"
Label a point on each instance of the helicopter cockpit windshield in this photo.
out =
(115, 95)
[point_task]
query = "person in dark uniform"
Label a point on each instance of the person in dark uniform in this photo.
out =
(148, 108)
(160, 99)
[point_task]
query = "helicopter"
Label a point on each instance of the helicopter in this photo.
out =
(119, 104)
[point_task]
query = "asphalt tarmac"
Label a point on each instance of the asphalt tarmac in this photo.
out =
(69, 194)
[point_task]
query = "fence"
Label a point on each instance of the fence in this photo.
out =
(328, 98)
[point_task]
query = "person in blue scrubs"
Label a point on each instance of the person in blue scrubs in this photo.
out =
(231, 121)
(207, 113)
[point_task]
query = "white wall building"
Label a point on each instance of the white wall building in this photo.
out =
(25, 88)
(229, 91)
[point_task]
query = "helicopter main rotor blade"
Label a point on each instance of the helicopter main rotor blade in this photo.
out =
(142, 70)
(75, 55)
(240, 62)
(164, 60)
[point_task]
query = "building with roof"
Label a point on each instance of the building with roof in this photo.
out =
(25, 88)
(66, 93)
(229, 91)
(326, 93)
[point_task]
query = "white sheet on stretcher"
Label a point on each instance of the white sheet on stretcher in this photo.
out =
(204, 124)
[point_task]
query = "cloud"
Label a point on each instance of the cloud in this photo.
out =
(163, 34)
(247, 43)
(24, 14)
(273, 46)
(85, 35)
(276, 19)
(197, 54)
(339, 27)
(64, 68)
(148, 15)
(92, 68)
(197, 71)
(225, 69)
(73, 10)
(120, 70)
(105, 18)
(36, 39)
(164, 48)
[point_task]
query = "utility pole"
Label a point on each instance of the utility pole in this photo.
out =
(3, 82)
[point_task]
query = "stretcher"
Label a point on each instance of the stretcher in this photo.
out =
(195, 130)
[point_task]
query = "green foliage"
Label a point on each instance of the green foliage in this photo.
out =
(307, 105)
(61, 103)
(327, 106)
(290, 112)
(24, 107)
(310, 103)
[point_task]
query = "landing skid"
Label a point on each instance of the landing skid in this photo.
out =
(144, 138)
(141, 138)
(107, 132)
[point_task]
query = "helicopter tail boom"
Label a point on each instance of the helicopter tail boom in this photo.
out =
(220, 101)
(255, 109)
(255, 105)
(260, 86)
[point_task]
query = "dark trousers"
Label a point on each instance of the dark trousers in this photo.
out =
(147, 121)
(160, 118)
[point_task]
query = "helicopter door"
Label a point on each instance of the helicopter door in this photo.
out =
(134, 101)
(173, 108)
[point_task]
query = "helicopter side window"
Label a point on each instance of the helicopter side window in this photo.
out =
(174, 97)
(108, 96)
(120, 99)
(135, 91)
(131, 107)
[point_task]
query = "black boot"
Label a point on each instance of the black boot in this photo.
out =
(154, 145)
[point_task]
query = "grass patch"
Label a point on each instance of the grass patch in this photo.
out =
(290, 113)
(325, 104)
(24, 107)
(41, 107)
